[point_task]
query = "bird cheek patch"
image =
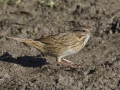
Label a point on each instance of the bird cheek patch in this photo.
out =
(80, 38)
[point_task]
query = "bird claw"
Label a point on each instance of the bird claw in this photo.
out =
(68, 63)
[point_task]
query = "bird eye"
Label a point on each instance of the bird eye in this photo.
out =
(83, 30)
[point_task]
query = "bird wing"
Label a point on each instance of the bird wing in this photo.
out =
(59, 38)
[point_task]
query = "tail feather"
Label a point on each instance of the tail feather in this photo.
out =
(39, 45)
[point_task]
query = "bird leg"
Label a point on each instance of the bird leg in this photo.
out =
(67, 63)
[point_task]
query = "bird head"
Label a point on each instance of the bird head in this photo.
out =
(83, 31)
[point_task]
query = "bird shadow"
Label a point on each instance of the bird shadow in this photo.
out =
(25, 61)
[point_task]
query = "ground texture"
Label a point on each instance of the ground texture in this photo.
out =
(22, 67)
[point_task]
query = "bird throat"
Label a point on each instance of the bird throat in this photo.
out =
(86, 39)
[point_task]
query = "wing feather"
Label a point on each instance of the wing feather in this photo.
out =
(62, 38)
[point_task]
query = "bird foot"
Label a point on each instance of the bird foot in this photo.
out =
(68, 63)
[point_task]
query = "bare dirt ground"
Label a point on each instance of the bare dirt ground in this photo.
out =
(22, 67)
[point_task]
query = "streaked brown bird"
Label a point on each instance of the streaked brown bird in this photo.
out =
(62, 44)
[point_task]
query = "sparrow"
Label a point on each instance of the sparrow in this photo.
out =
(61, 45)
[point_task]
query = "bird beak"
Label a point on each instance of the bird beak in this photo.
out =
(92, 33)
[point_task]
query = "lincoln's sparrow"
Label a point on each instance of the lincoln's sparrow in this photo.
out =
(62, 44)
